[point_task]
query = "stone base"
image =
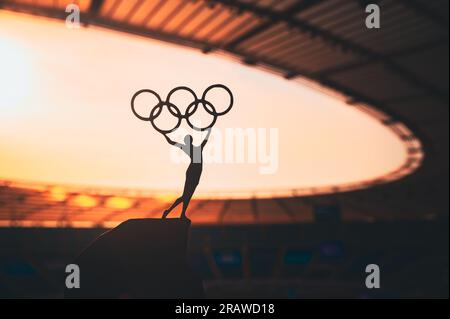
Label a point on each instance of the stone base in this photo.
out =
(140, 258)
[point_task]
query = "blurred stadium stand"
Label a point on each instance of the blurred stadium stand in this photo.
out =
(273, 261)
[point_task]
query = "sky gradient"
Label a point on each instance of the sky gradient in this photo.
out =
(65, 115)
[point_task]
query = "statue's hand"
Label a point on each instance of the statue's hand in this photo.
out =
(169, 140)
(206, 138)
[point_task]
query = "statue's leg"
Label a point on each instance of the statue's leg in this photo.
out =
(185, 206)
(175, 204)
(192, 179)
(187, 195)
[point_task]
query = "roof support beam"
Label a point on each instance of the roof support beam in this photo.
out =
(423, 10)
(93, 11)
(335, 40)
(95, 7)
(288, 13)
(285, 208)
(254, 207)
(393, 55)
(223, 211)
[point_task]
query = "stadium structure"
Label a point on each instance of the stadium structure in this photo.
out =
(301, 243)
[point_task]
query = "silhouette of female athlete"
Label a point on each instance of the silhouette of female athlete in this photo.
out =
(193, 172)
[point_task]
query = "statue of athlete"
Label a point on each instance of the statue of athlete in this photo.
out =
(193, 172)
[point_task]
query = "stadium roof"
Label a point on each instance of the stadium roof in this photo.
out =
(400, 69)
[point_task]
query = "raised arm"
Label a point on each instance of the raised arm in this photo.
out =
(206, 138)
(172, 142)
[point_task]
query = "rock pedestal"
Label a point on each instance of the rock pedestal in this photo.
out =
(140, 258)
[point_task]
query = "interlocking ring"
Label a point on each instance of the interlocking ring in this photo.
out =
(133, 99)
(175, 111)
(156, 111)
(220, 86)
(194, 106)
(179, 88)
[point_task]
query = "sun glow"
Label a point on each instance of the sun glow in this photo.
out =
(18, 81)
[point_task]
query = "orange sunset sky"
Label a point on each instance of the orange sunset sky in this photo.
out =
(65, 115)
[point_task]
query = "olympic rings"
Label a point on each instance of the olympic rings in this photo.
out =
(175, 111)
